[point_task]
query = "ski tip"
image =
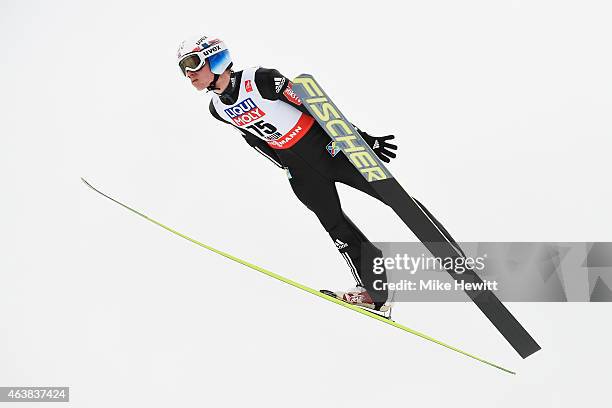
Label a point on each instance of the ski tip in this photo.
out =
(87, 183)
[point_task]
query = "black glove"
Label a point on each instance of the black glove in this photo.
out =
(380, 145)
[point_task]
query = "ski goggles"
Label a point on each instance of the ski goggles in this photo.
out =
(194, 61)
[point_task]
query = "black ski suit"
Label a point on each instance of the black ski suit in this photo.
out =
(313, 172)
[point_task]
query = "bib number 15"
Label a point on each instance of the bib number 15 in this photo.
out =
(262, 128)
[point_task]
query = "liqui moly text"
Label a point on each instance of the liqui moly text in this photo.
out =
(245, 112)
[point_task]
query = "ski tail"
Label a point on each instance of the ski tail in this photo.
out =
(420, 221)
(440, 246)
(303, 287)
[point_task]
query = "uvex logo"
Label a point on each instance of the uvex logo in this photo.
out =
(211, 50)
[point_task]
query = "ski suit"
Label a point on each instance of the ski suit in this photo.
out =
(259, 102)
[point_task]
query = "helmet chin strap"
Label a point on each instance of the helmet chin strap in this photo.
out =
(213, 84)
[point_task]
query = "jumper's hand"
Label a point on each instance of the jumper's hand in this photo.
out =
(381, 146)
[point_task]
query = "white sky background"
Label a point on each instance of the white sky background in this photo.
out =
(502, 114)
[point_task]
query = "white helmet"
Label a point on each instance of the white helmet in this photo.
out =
(196, 52)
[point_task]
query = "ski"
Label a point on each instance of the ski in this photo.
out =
(422, 223)
(301, 286)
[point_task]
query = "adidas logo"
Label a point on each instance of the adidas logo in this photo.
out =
(278, 84)
(340, 244)
(376, 145)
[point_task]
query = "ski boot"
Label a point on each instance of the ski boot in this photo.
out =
(358, 296)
